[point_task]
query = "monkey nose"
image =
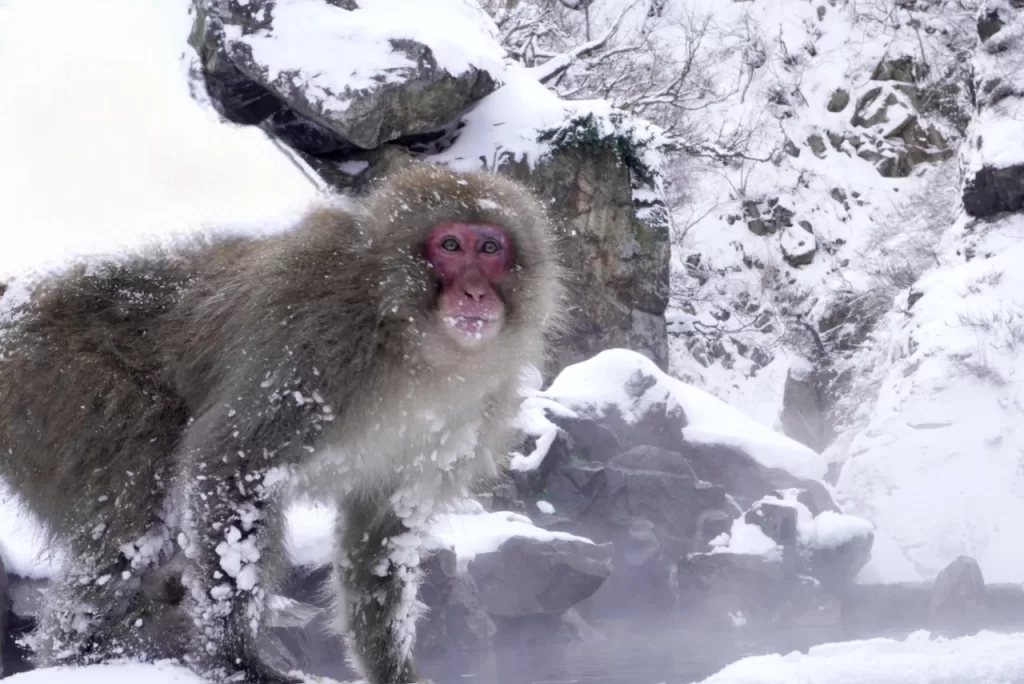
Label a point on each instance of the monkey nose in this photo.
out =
(475, 291)
(475, 288)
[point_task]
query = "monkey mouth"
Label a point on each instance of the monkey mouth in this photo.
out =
(472, 329)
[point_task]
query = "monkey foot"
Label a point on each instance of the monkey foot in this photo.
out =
(252, 673)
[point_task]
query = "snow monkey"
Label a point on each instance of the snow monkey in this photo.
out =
(154, 407)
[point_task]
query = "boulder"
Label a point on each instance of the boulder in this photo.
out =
(258, 66)
(838, 101)
(530, 577)
(798, 244)
(958, 594)
(456, 628)
(992, 191)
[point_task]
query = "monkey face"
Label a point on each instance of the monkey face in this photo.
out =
(469, 261)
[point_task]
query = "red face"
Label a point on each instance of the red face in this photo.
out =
(468, 260)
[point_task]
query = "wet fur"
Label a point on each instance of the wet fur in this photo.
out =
(139, 396)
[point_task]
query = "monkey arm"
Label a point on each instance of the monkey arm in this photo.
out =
(377, 575)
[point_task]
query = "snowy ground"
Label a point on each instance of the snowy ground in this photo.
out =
(986, 658)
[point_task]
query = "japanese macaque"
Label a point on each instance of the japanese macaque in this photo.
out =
(154, 408)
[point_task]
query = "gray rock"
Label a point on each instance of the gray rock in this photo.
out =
(728, 589)
(989, 24)
(804, 414)
(619, 262)
(840, 98)
(799, 245)
(529, 577)
(958, 594)
(415, 98)
(992, 191)
(456, 627)
(903, 69)
(817, 145)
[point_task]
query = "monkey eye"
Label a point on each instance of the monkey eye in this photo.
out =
(490, 247)
(450, 244)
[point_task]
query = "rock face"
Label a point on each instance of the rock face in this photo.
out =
(618, 261)
(994, 182)
(259, 68)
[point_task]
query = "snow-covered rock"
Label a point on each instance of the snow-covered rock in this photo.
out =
(623, 385)
(333, 76)
(699, 500)
(994, 170)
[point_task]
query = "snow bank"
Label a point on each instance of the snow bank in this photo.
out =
(594, 386)
(471, 534)
(469, 530)
(938, 465)
(308, 36)
(987, 658)
(309, 535)
(827, 530)
(507, 123)
(746, 539)
(109, 149)
(124, 673)
(121, 673)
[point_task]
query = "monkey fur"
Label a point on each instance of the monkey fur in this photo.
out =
(153, 408)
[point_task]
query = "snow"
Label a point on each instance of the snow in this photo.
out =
(997, 129)
(22, 541)
(120, 673)
(832, 529)
(473, 534)
(986, 657)
(308, 36)
(505, 124)
(466, 528)
(606, 380)
(949, 408)
(113, 152)
(163, 672)
(827, 530)
(747, 539)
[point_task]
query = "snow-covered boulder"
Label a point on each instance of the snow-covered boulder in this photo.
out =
(329, 76)
(623, 452)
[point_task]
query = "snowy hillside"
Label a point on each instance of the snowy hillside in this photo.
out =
(797, 249)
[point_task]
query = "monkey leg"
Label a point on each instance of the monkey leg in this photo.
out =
(234, 545)
(100, 608)
(377, 576)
